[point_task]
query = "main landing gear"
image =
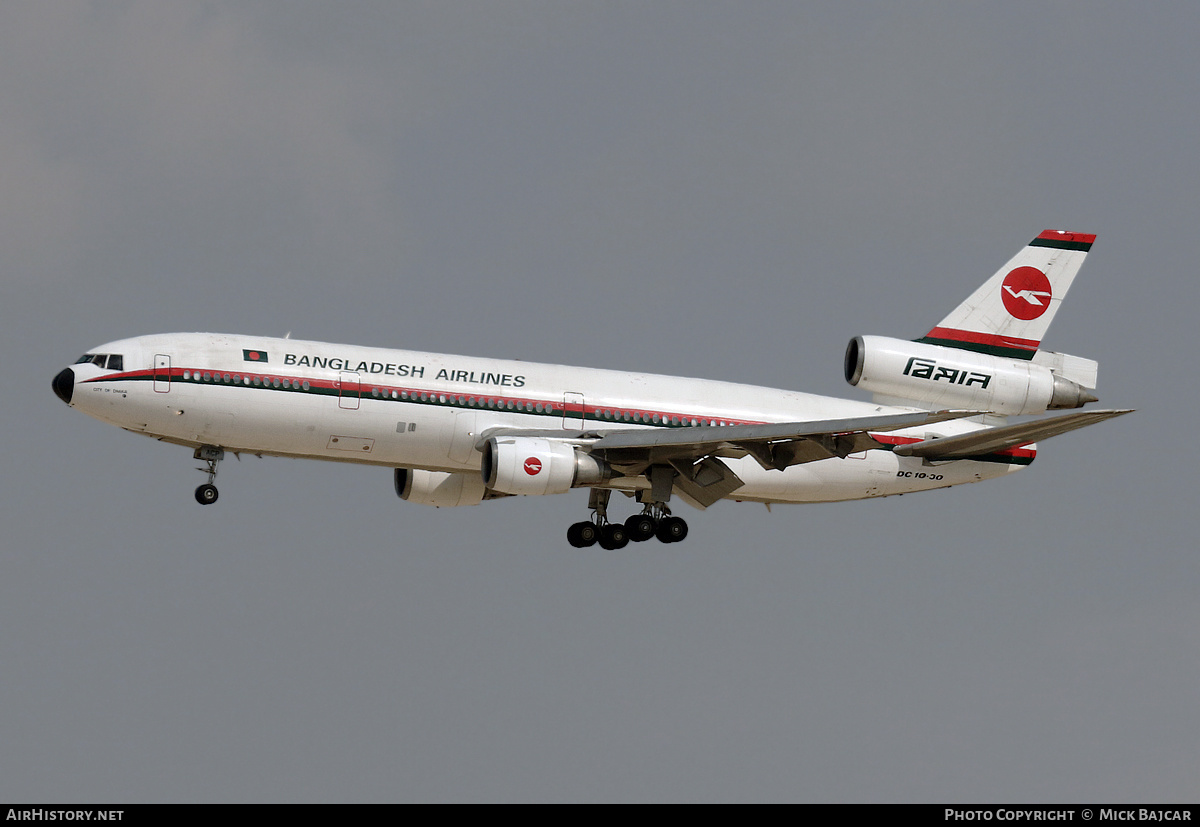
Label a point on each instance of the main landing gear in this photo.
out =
(207, 493)
(654, 521)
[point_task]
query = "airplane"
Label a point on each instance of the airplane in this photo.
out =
(461, 430)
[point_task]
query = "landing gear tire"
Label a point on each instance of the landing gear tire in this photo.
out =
(582, 535)
(640, 527)
(206, 494)
(671, 529)
(613, 536)
(210, 455)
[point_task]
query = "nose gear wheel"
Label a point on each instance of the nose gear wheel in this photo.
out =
(206, 494)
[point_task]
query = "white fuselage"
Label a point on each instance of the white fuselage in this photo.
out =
(407, 409)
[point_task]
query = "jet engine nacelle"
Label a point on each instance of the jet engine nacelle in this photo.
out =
(531, 465)
(943, 377)
(439, 488)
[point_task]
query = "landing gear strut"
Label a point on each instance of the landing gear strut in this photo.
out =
(654, 521)
(598, 528)
(207, 493)
(667, 529)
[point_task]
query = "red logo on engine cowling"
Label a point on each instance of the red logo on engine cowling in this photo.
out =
(533, 466)
(1026, 293)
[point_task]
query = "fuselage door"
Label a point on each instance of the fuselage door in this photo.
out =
(573, 411)
(462, 439)
(349, 390)
(162, 373)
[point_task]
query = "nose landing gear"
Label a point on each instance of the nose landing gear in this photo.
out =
(207, 493)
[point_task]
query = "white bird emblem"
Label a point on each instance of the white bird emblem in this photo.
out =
(1030, 296)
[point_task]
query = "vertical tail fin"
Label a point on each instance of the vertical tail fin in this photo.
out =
(1010, 313)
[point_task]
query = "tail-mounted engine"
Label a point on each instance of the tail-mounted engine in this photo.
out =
(529, 465)
(943, 377)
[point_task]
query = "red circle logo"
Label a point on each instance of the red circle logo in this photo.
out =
(533, 466)
(1026, 293)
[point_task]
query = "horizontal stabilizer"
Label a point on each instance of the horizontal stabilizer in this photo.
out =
(990, 440)
(1079, 370)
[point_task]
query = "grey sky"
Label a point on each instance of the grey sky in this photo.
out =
(721, 190)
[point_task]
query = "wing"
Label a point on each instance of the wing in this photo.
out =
(775, 445)
(999, 439)
(696, 453)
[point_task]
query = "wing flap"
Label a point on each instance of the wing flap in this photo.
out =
(706, 481)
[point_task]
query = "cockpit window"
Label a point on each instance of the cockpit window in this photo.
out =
(112, 361)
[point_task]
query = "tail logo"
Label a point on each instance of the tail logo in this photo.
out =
(1026, 293)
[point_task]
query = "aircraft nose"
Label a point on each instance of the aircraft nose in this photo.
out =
(64, 384)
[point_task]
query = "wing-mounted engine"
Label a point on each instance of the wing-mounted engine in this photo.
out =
(531, 465)
(944, 377)
(439, 488)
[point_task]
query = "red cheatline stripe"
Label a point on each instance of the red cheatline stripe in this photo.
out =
(1078, 238)
(133, 374)
(438, 397)
(975, 338)
(889, 439)
(553, 408)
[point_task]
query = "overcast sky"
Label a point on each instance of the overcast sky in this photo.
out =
(727, 190)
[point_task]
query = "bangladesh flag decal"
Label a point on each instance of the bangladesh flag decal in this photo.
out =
(254, 356)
